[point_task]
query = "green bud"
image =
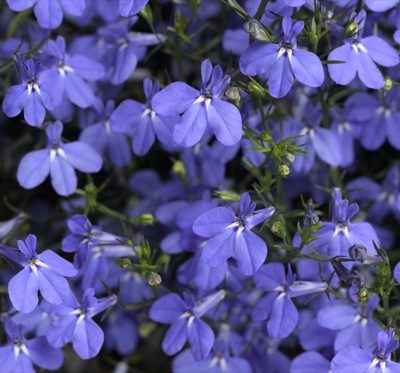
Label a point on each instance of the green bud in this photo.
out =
(146, 328)
(351, 29)
(228, 196)
(363, 295)
(388, 84)
(283, 170)
(124, 263)
(256, 89)
(179, 169)
(278, 229)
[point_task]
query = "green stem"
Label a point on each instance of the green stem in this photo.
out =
(261, 9)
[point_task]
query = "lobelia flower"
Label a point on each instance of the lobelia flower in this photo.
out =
(231, 236)
(184, 315)
(277, 306)
(142, 122)
(93, 250)
(59, 160)
(68, 74)
(206, 163)
(381, 5)
(74, 324)
(335, 237)
(354, 323)
(123, 48)
(375, 120)
(359, 55)
(49, 13)
(128, 8)
(19, 354)
(384, 198)
(201, 109)
(310, 362)
(283, 62)
(224, 356)
(7, 226)
(121, 332)
(101, 136)
(33, 95)
(44, 273)
(355, 359)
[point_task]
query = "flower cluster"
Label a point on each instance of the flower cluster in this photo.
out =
(237, 203)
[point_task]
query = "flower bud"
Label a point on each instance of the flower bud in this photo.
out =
(283, 170)
(388, 84)
(233, 95)
(154, 279)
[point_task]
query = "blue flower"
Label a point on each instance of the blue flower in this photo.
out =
(44, 273)
(49, 13)
(74, 324)
(69, 73)
(201, 109)
(354, 323)
(359, 55)
(355, 359)
(101, 136)
(59, 160)
(277, 306)
(19, 354)
(184, 315)
(281, 63)
(231, 236)
(142, 122)
(33, 95)
(128, 8)
(335, 237)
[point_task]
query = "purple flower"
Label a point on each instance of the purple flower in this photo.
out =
(59, 160)
(277, 306)
(231, 236)
(33, 95)
(128, 8)
(142, 122)
(383, 197)
(336, 237)
(310, 362)
(355, 324)
(103, 138)
(355, 359)
(184, 315)
(19, 354)
(201, 109)
(123, 48)
(49, 13)
(74, 324)
(43, 272)
(283, 62)
(69, 74)
(359, 56)
(381, 5)
(93, 250)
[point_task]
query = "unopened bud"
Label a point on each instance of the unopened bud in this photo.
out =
(388, 84)
(310, 217)
(252, 27)
(256, 89)
(283, 170)
(233, 95)
(154, 279)
(351, 29)
(278, 229)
